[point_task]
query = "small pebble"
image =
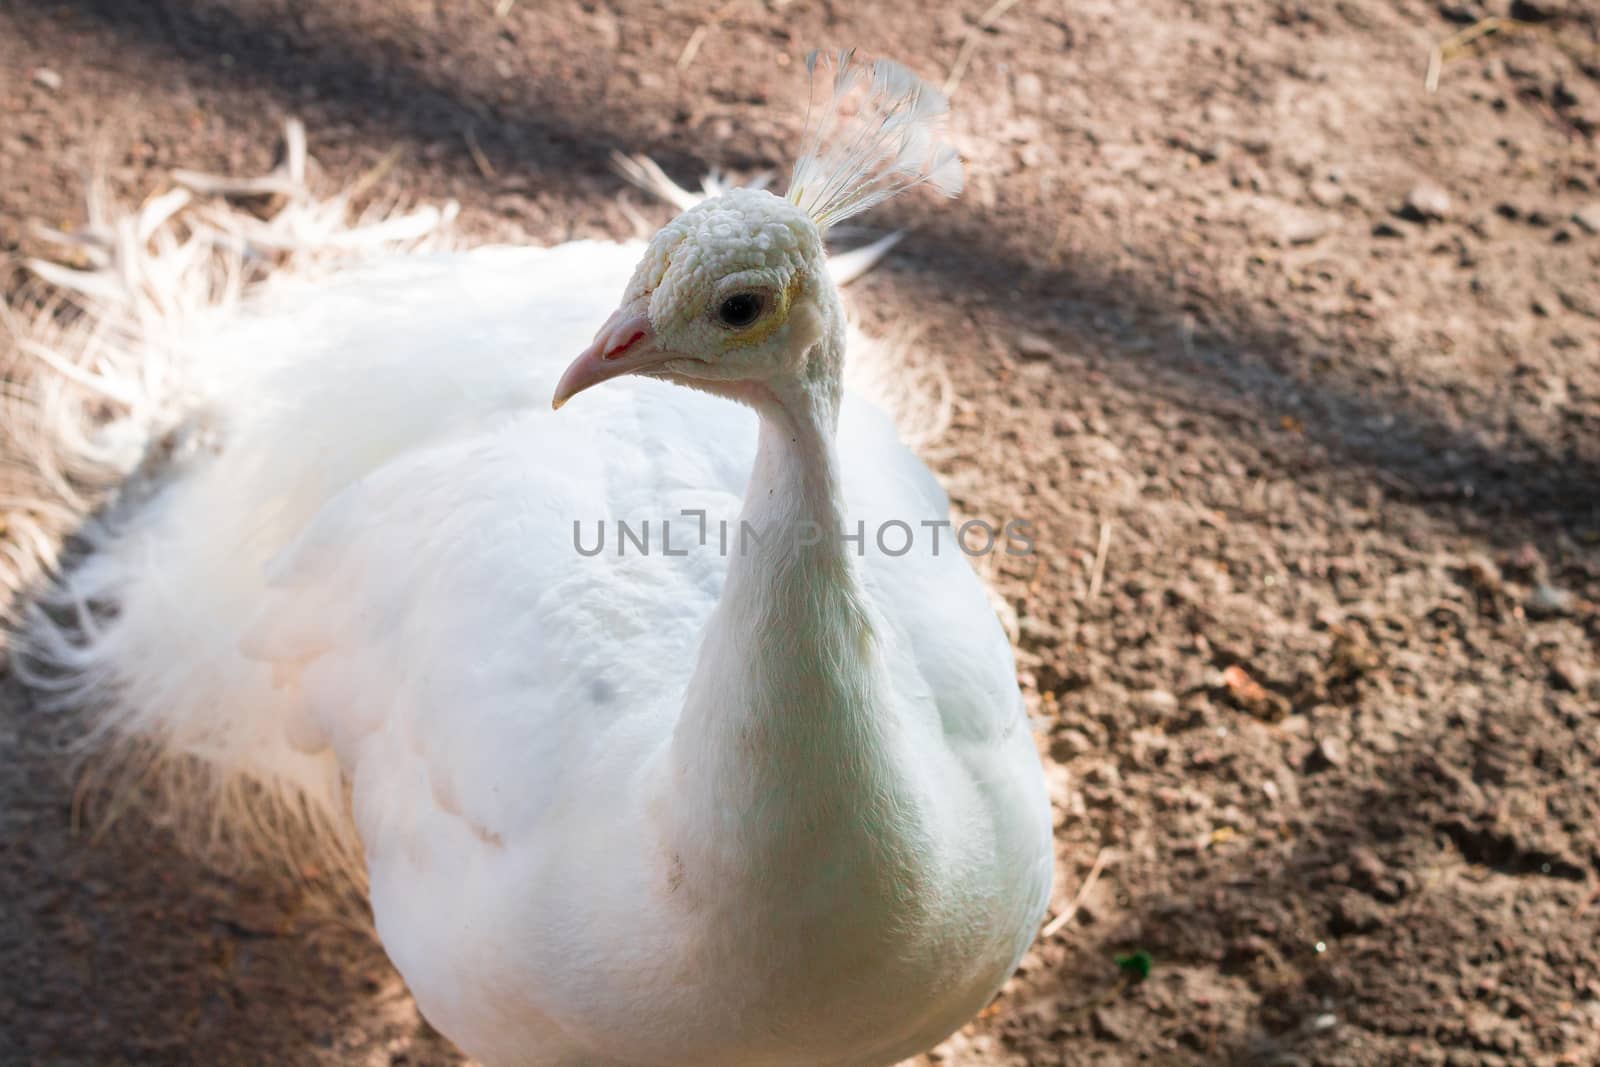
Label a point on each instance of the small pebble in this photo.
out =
(1330, 752)
(1369, 870)
(1426, 202)
(46, 78)
(1033, 346)
(1547, 601)
(1325, 193)
(1588, 217)
(1155, 702)
(1108, 1026)
(1569, 674)
(1029, 90)
(1304, 228)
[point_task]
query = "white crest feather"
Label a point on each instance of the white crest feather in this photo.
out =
(877, 136)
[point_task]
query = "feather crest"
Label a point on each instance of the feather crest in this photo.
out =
(876, 136)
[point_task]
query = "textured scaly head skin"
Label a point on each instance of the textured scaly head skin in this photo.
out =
(729, 283)
(735, 289)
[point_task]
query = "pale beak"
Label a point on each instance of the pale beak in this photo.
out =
(626, 344)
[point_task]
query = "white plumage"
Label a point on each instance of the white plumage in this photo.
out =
(777, 805)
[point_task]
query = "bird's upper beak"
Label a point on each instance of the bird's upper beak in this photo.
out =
(626, 344)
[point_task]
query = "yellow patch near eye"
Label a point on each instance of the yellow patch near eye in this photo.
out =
(768, 324)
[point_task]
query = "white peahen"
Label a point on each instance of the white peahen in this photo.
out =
(762, 792)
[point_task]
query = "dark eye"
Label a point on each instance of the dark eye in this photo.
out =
(741, 309)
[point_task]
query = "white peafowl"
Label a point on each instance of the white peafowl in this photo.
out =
(761, 792)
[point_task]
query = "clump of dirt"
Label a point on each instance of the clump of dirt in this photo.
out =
(1290, 360)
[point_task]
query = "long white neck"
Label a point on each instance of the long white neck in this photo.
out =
(784, 748)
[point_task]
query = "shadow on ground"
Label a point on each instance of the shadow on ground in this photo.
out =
(157, 957)
(1217, 344)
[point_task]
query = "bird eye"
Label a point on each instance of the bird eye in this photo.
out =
(741, 309)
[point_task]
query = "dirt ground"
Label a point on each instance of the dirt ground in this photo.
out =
(1295, 364)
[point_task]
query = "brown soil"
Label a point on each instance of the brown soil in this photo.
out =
(1293, 364)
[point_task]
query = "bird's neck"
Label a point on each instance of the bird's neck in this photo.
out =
(785, 741)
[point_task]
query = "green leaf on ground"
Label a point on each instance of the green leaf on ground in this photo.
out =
(1135, 965)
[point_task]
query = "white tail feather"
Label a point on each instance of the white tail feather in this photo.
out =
(103, 373)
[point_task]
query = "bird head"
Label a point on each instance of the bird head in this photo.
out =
(733, 290)
(734, 294)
